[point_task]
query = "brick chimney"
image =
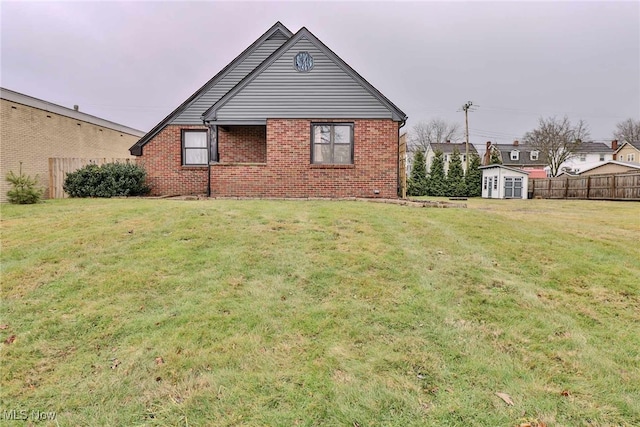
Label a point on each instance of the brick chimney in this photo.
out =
(614, 144)
(488, 145)
(516, 143)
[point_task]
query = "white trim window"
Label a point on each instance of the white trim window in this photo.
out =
(631, 157)
(535, 154)
(194, 147)
(515, 155)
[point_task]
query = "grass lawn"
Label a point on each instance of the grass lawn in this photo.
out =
(166, 312)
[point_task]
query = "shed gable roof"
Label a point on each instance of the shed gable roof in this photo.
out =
(210, 92)
(275, 89)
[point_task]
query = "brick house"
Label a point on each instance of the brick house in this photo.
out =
(447, 149)
(33, 130)
(286, 118)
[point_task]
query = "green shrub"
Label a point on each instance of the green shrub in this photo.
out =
(108, 180)
(24, 189)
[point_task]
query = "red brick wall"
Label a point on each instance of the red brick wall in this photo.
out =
(287, 171)
(244, 144)
(162, 159)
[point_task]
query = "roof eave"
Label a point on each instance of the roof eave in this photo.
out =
(278, 26)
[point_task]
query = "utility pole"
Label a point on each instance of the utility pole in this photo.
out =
(466, 108)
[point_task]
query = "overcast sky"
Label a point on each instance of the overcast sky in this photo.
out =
(134, 62)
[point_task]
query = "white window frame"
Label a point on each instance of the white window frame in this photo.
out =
(514, 155)
(534, 155)
(631, 157)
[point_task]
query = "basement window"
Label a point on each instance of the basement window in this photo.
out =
(194, 148)
(332, 143)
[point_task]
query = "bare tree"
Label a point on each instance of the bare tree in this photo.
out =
(628, 130)
(557, 140)
(434, 131)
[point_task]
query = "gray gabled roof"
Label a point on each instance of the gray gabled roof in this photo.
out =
(396, 113)
(523, 160)
(136, 149)
(497, 165)
(20, 98)
(593, 147)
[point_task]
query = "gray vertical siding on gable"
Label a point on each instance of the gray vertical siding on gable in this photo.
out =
(192, 115)
(327, 91)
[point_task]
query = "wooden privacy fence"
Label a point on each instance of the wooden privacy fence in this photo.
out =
(59, 167)
(624, 186)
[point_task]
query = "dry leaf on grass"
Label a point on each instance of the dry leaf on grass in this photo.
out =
(159, 360)
(565, 393)
(116, 363)
(506, 398)
(4, 326)
(10, 340)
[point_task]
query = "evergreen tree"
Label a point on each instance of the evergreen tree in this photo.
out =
(473, 178)
(455, 177)
(436, 182)
(495, 157)
(417, 183)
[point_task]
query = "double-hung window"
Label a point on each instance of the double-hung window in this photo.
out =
(194, 148)
(513, 188)
(515, 155)
(332, 143)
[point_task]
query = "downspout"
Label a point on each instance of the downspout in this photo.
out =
(399, 184)
(212, 137)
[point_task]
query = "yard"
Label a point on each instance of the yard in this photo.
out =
(166, 312)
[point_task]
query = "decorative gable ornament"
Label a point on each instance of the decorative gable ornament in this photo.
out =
(303, 62)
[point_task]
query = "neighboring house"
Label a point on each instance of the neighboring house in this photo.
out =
(588, 155)
(33, 130)
(504, 182)
(516, 155)
(628, 152)
(286, 118)
(447, 151)
(610, 167)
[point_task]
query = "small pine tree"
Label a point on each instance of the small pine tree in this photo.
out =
(436, 182)
(24, 189)
(455, 177)
(473, 178)
(417, 184)
(495, 158)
